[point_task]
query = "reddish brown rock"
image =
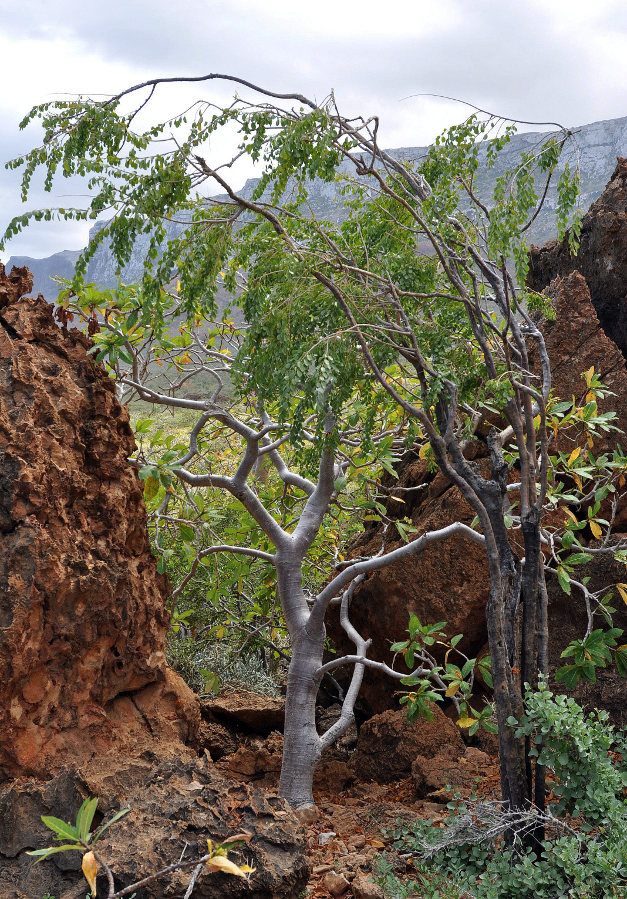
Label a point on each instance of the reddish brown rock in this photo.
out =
(388, 744)
(217, 739)
(575, 341)
(602, 258)
(441, 776)
(333, 776)
(83, 615)
(256, 759)
(433, 585)
(364, 888)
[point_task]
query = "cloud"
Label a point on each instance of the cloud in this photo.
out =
(565, 60)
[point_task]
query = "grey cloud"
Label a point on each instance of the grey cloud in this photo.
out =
(510, 57)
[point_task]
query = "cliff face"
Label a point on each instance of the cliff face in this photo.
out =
(601, 260)
(83, 616)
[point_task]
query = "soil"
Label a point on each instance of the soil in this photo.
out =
(358, 805)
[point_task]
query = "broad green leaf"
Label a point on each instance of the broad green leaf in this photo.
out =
(84, 818)
(62, 828)
(44, 853)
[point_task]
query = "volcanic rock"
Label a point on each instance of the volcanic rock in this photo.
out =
(176, 806)
(261, 714)
(388, 744)
(602, 258)
(83, 615)
(447, 582)
(438, 777)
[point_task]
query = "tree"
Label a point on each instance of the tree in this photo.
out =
(415, 303)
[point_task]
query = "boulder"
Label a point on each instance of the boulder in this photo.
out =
(388, 744)
(83, 614)
(440, 776)
(433, 585)
(176, 805)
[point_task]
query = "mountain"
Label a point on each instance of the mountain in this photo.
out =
(61, 265)
(594, 149)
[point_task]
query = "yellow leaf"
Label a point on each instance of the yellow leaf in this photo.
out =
(622, 589)
(377, 844)
(465, 722)
(577, 480)
(588, 375)
(570, 515)
(178, 286)
(422, 452)
(621, 481)
(224, 864)
(596, 529)
(590, 397)
(452, 689)
(574, 455)
(90, 870)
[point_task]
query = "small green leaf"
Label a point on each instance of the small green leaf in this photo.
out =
(62, 828)
(44, 853)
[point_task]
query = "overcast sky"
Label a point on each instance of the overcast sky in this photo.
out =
(538, 60)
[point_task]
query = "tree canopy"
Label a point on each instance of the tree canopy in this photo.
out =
(401, 320)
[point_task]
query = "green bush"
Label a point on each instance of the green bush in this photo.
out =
(209, 667)
(584, 853)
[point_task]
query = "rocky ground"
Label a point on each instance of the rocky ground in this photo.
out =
(391, 771)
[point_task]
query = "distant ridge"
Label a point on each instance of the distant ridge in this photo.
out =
(595, 149)
(60, 265)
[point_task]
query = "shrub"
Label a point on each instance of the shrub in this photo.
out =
(584, 852)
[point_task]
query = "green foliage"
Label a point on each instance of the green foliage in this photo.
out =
(424, 881)
(577, 748)
(437, 682)
(78, 833)
(594, 651)
(212, 665)
(84, 841)
(584, 852)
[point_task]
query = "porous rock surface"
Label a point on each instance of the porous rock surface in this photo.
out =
(88, 706)
(261, 714)
(83, 615)
(176, 805)
(601, 260)
(388, 744)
